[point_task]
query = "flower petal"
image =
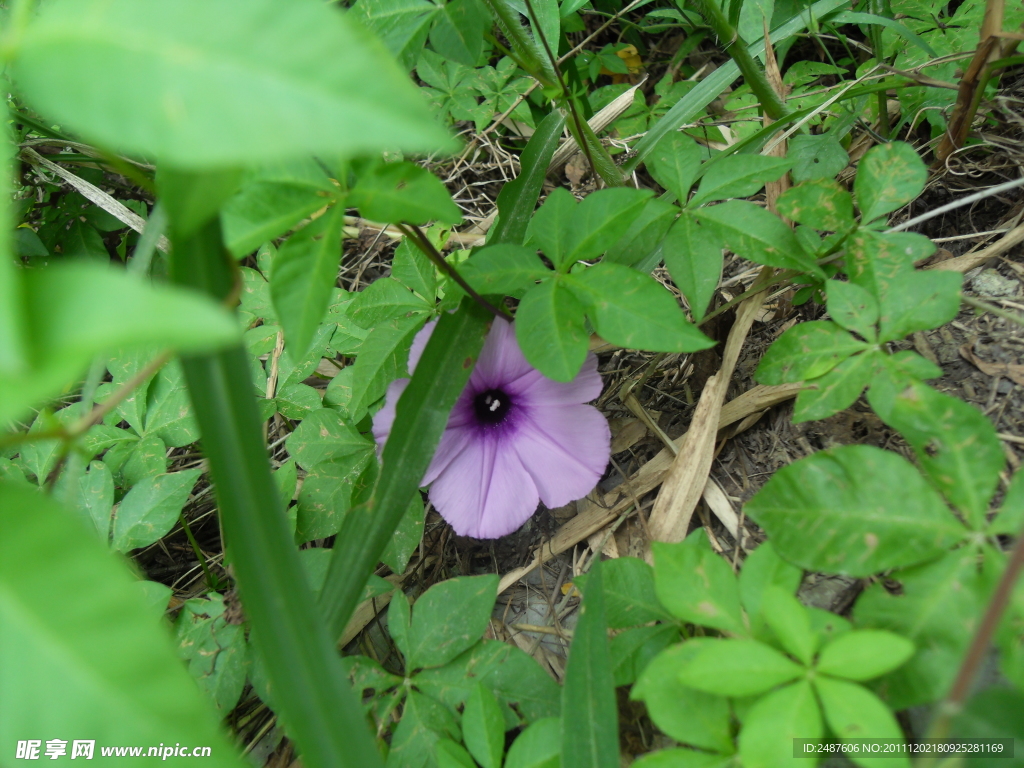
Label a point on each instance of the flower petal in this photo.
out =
(384, 419)
(484, 492)
(453, 442)
(501, 360)
(565, 449)
(534, 388)
(419, 343)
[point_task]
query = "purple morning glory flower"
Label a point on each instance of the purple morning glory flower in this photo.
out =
(515, 437)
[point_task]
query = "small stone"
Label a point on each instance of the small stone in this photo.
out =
(991, 283)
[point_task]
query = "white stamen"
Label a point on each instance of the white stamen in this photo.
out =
(494, 405)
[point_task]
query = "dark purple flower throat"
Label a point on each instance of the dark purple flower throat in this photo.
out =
(491, 407)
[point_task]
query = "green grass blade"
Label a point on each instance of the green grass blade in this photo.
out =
(310, 688)
(590, 727)
(518, 197)
(708, 89)
(422, 415)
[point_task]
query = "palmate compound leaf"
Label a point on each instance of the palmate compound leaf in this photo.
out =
(202, 83)
(82, 653)
(855, 510)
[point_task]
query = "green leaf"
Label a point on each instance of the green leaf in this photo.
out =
(219, 83)
(819, 203)
(589, 713)
(853, 712)
(483, 727)
(763, 568)
(399, 618)
(518, 198)
(956, 444)
(855, 510)
(771, 725)
(888, 176)
(90, 658)
(806, 351)
(400, 24)
(738, 176)
(82, 241)
(1010, 519)
(538, 746)
(674, 164)
(76, 310)
(640, 246)
(458, 33)
(816, 157)
(149, 458)
(327, 494)
(322, 436)
(512, 675)
(938, 610)
(632, 650)
(96, 499)
(551, 331)
(380, 360)
(696, 585)
(600, 220)
(437, 635)
(634, 311)
(549, 227)
(422, 415)
(403, 191)
(263, 210)
(150, 509)
(214, 649)
(191, 198)
(737, 668)
(790, 623)
(629, 592)
(424, 722)
(413, 270)
(753, 233)
(687, 715)
(909, 300)
(852, 307)
(383, 300)
(406, 538)
(864, 654)
(504, 269)
(836, 390)
(693, 256)
(449, 754)
(169, 413)
(303, 275)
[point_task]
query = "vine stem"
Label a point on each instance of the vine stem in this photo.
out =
(415, 234)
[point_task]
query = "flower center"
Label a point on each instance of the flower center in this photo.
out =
(491, 407)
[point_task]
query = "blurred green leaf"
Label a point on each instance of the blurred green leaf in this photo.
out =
(771, 725)
(853, 712)
(402, 191)
(864, 654)
(737, 668)
(81, 652)
(219, 82)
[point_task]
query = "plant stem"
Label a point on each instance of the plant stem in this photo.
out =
(735, 46)
(415, 234)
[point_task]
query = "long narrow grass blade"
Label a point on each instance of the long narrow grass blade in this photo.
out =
(590, 728)
(310, 689)
(518, 197)
(420, 419)
(708, 89)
